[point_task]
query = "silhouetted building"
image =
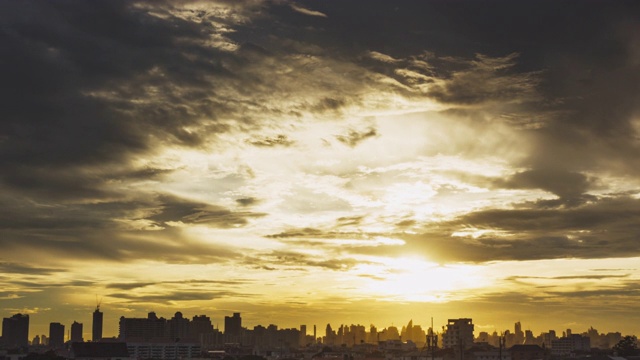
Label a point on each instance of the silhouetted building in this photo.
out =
(15, 331)
(519, 334)
(526, 352)
(233, 328)
(529, 339)
(202, 330)
(56, 335)
(303, 335)
(99, 350)
(76, 332)
(96, 334)
(143, 329)
(458, 334)
(178, 327)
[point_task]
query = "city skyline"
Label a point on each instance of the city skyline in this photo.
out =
(233, 325)
(321, 160)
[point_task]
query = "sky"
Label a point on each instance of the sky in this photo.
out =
(322, 161)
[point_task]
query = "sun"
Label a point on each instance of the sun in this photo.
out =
(417, 280)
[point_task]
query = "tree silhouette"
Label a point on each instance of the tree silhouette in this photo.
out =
(626, 346)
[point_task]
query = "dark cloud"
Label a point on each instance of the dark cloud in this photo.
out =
(569, 277)
(629, 289)
(90, 87)
(62, 64)
(129, 286)
(564, 184)
(328, 104)
(135, 229)
(248, 201)
(280, 140)
(602, 229)
(293, 233)
(485, 80)
(596, 229)
(24, 269)
(174, 296)
(355, 137)
(191, 212)
(301, 261)
(43, 283)
(350, 220)
(189, 282)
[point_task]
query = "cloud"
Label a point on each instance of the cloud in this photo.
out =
(247, 201)
(354, 137)
(629, 289)
(569, 277)
(174, 209)
(172, 297)
(599, 229)
(129, 286)
(143, 228)
(300, 261)
(24, 269)
(329, 104)
(564, 184)
(280, 140)
(187, 282)
(486, 80)
(305, 11)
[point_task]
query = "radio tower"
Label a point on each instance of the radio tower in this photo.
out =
(432, 342)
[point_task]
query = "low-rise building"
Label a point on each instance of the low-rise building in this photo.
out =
(99, 351)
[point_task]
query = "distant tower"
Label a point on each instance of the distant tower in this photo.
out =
(303, 335)
(97, 324)
(56, 335)
(76, 332)
(519, 334)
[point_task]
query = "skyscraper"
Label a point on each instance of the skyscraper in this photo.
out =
(15, 331)
(56, 335)
(97, 325)
(76, 332)
(233, 327)
(303, 335)
(519, 334)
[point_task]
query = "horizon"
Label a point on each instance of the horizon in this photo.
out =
(322, 160)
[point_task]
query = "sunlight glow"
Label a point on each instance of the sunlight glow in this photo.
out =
(413, 279)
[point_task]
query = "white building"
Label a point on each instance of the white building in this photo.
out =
(164, 350)
(459, 332)
(570, 345)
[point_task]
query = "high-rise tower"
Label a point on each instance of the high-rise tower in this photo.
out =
(15, 330)
(233, 327)
(76, 332)
(56, 335)
(97, 324)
